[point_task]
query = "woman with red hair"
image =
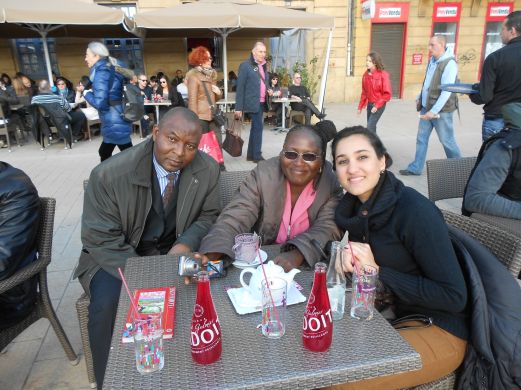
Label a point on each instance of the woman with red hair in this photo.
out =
(201, 82)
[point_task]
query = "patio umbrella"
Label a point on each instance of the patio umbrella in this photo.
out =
(226, 17)
(59, 18)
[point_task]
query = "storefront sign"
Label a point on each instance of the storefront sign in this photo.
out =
(446, 12)
(368, 9)
(497, 12)
(391, 13)
(417, 58)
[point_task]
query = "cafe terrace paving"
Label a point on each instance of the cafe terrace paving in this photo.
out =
(35, 360)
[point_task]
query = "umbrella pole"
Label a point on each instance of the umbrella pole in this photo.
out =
(225, 65)
(47, 57)
(324, 72)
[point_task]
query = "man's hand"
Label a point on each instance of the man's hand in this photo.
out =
(374, 109)
(358, 112)
(297, 98)
(429, 115)
(178, 249)
(289, 260)
(237, 114)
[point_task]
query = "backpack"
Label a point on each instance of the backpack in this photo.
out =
(133, 103)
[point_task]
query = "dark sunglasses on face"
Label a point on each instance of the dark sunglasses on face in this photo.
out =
(307, 157)
(163, 82)
(143, 80)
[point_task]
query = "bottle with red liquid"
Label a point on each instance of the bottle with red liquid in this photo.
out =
(206, 338)
(317, 329)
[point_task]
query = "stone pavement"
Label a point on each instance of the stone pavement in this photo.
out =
(35, 360)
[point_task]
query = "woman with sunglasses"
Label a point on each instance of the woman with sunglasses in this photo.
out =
(165, 91)
(201, 84)
(402, 234)
(288, 200)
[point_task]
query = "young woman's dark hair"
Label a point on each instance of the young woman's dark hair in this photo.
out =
(373, 139)
(377, 60)
(85, 81)
(6, 79)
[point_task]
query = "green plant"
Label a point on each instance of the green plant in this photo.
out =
(309, 75)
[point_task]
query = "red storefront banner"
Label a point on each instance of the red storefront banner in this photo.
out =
(497, 12)
(391, 13)
(446, 12)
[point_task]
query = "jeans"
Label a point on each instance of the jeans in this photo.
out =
(491, 126)
(445, 130)
(104, 296)
(372, 119)
(255, 142)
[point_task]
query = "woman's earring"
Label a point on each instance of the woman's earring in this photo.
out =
(382, 171)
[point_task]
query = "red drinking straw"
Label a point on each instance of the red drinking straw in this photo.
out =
(129, 293)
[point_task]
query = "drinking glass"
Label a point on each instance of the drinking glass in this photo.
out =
(148, 342)
(364, 291)
(274, 299)
(246, 247)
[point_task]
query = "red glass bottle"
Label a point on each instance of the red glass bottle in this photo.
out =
(206, 341)
(317, 329)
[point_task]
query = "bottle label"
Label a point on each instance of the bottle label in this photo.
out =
(205, 335)
(316, 322)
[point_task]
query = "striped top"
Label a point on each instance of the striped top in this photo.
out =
(49, 98)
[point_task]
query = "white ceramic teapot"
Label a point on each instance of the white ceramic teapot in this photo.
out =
(272, 270)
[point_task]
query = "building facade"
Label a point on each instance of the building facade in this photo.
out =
(398, 30)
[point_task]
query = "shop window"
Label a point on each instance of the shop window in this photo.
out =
(128, 52)
(449, 31)
(214, 46)
(32, 59)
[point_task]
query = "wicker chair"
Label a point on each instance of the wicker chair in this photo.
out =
(228, 183)
(3, 128)
(505, 246)
(43, 307)
(447, 178)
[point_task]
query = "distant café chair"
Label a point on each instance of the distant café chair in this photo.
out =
(43, 307)
(3, 128)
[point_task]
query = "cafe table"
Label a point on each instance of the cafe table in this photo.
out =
(360, 349)
(285, 102)
(157, 104)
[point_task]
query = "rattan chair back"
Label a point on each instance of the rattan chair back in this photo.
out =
(229, 183)
(447, 177)
(43, 307)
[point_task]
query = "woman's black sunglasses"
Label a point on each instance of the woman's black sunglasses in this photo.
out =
(307, 157)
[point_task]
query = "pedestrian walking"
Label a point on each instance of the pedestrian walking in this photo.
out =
(436, 106)
(376, 90)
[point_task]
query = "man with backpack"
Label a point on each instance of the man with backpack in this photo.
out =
(436, 106)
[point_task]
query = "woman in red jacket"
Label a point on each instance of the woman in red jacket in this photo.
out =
(376, 90)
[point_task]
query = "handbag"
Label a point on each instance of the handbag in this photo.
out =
(233, 142)
(210, 146)
(217, 115)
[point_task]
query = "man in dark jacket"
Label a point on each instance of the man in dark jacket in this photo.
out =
(494, 186)
(159, 197)
(19, 221)
(251, 97)
(493, 357)
(501, 77)
(298, 91)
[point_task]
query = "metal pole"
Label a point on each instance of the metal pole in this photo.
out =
(47, 57)
(225, 65)
(324, 72)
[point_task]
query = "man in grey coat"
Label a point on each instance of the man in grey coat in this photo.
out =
(159, 197)
(251, 97)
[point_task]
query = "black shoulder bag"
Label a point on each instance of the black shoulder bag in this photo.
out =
(217, 115)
